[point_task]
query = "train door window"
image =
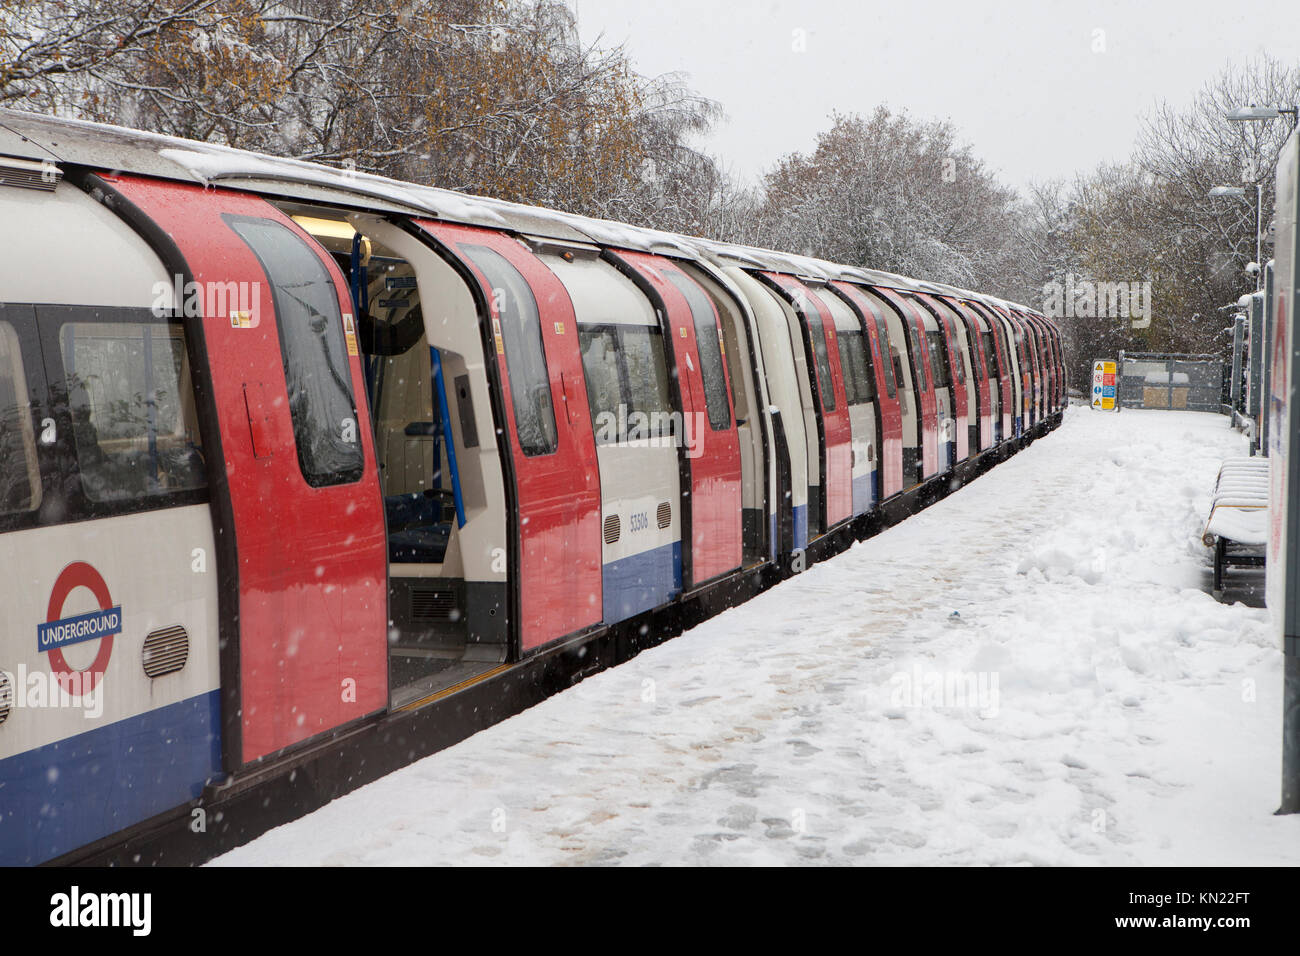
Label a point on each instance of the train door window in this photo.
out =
(922, 369)
(133, 419)
(647, 375)
(604, 390)
(887, 350)
(706, 341)
(938, 351)
(825, 384)
(627, 381)
(316, 371)
(521, 330)
(990, 362)
(898, 376)
(954, 323)
(20, 476)
(858, 384)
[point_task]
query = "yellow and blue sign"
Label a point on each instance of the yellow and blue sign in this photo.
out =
(1103, 385)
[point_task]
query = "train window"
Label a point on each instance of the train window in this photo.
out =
(627, 382)
(898, 376)
(647, 377)
(886, 348)
(20, 477)
(939, 355)
(706, 341)
(312, 347)
(999, 340)
(955, 352)
(990, 361)
(604, 391)
(521, 328)
(133, 417)
(858, 384)
(848, 371)
(825, 385)
(922, 370)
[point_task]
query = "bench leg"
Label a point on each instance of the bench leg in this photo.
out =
(1220, 552)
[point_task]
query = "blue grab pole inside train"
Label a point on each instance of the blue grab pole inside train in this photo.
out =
(445, 424)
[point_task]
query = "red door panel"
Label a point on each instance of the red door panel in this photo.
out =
(714, 464)
(980, 370)
(960, 413)
(557, 494)
(312, 561)
(926, 401)
(890, 411)
(837, 454)
(1002, 360)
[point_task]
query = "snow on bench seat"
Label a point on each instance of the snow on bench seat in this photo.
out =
(1238, 516)
(1239, 525)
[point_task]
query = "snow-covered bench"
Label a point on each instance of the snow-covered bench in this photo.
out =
(1237, 528)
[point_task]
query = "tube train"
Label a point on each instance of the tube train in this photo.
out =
(306, 473)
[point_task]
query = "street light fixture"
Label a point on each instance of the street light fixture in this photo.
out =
(1247, 114)
(1240, 193)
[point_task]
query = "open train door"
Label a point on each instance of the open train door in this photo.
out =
(291, 464)
(548, 445)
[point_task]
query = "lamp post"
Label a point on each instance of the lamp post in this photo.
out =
(1240, 193)
(1253, 114)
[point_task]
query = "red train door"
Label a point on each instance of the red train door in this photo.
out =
(926, 401)
(551, 448)
(997, 333)
(1034, 377)
(890, 460)
(823, 351)
(984, 436)
(1027, 371)
(711, 447)
(300, 527)
(960, 412)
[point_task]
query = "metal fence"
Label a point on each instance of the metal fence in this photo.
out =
(1155, 380)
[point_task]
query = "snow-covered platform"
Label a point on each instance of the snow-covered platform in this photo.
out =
(1028, 672)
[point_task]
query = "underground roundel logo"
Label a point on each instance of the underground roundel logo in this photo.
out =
(59, 632)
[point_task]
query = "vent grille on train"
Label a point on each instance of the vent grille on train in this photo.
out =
(664, 515)
(25, 174)
(613, 528)
(6, 696)
(165, 651)
(433, 604)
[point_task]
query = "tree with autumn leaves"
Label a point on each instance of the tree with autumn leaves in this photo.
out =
(496, 97)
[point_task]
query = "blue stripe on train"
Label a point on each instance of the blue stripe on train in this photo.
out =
(64, 795)
(642, 581)
(800, 522)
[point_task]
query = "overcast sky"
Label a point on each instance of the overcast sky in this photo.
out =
(1021, 80)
